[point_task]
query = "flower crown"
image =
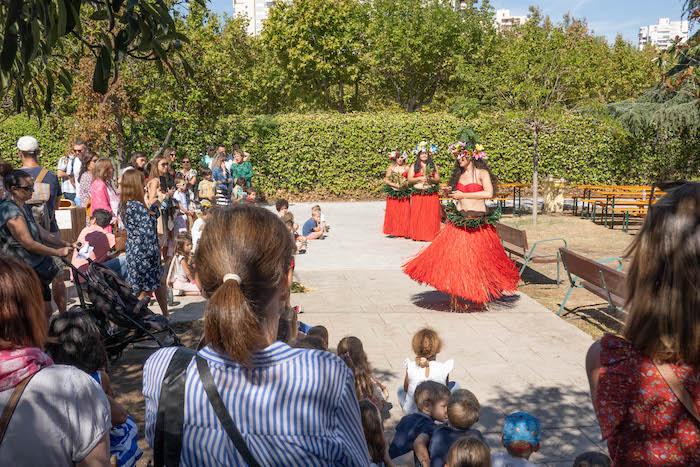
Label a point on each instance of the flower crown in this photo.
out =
(395, 155)
(424, 147)
(460, 149)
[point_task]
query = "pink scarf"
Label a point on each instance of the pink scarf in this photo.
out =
(17, 364)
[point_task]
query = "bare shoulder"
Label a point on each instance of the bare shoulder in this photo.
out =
(593, 358)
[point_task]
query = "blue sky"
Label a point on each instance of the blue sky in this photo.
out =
(605, 17)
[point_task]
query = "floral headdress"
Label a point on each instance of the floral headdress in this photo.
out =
(424, 147)
(393, 155)
(468, 146)
(403, 156)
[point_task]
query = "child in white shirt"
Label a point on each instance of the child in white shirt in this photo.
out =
(426, 345)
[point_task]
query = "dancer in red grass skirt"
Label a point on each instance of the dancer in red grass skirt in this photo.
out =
(424, 224)
(398, 196)
(467, 260)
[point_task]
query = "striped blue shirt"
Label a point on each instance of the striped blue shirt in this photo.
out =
(293, 407)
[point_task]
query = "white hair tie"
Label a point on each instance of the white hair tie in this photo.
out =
(232, 277)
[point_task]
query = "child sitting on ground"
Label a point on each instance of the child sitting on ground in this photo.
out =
(320, 332)
(426, 345)
(469, 452)
(315, 227)
(238, 193)
(282, 206)
(521, 438)
(75, 340)
(251, 195)
(308, 342)
(374, 435)
(207, 187)
(182, 196)
(350, 349)
(431, 400)
(299, 241)
(462, 412)
(180, 276)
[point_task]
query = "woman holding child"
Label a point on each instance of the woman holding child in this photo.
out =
(398, 196)
(467, 260)
(424, 221)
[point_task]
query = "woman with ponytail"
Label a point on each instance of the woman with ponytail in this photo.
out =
(291, 406)
(467, 261)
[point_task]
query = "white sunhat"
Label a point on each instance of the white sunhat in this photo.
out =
(28, 144)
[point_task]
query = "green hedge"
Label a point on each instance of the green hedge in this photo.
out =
(345, 154)
(51, 134)
(335, 154)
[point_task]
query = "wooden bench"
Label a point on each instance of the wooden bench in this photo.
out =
(515, 243)
(594, 276)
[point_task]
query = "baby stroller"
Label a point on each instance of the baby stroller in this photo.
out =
(122, 318)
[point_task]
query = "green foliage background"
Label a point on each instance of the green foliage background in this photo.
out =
(52, 136)
(331, 154)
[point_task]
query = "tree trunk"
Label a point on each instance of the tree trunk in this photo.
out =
(165, 143)
(341, 97)
(535, 168)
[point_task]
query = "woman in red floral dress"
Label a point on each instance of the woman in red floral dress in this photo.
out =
(641, 418)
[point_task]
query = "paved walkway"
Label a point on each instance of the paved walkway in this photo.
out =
(516, 356)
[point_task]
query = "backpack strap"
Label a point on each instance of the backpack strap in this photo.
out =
(12, 405)
(678, 390)
(167, 443)
(41, 175)
(222, 413)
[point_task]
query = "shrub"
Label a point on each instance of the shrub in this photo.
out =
(52, 137)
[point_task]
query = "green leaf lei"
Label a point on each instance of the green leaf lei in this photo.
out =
(458, 219)
(430, 190)
(398, 193)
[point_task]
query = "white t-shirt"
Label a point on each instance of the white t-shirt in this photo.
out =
(70, 165)
(62, 415)
(503, 459)
(438, 372)
(197, 228)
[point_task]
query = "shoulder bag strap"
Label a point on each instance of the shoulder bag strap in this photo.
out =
(222, 413)
(678, 390)
(12, 405)
(167, 442)
(41, 175)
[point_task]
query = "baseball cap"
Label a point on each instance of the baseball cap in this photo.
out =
(521, 426)
(28, 144)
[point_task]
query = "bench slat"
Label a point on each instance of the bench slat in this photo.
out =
(596, 277)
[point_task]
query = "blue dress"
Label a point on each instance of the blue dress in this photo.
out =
(143, 268)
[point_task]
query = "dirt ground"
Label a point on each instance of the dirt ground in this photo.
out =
(586, 311)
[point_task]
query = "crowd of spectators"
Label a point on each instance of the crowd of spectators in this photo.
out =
(265, 389)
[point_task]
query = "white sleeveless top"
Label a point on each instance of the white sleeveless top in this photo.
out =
(416, 375)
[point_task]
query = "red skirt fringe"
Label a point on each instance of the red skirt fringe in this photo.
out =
(466, 263)
(424, 224)
(396, 217)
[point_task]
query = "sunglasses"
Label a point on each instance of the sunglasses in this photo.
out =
(28, 188)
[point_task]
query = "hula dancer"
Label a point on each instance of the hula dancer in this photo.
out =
(424, 222)
(398, 196)
(467, 260)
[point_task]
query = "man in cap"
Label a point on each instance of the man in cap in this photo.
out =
(28, 148)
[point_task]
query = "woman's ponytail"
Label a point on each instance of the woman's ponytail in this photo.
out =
(230, 324)
(242, 260)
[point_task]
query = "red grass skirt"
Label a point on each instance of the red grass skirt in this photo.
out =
(467, 263)
(424, 223)
(396, 217)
